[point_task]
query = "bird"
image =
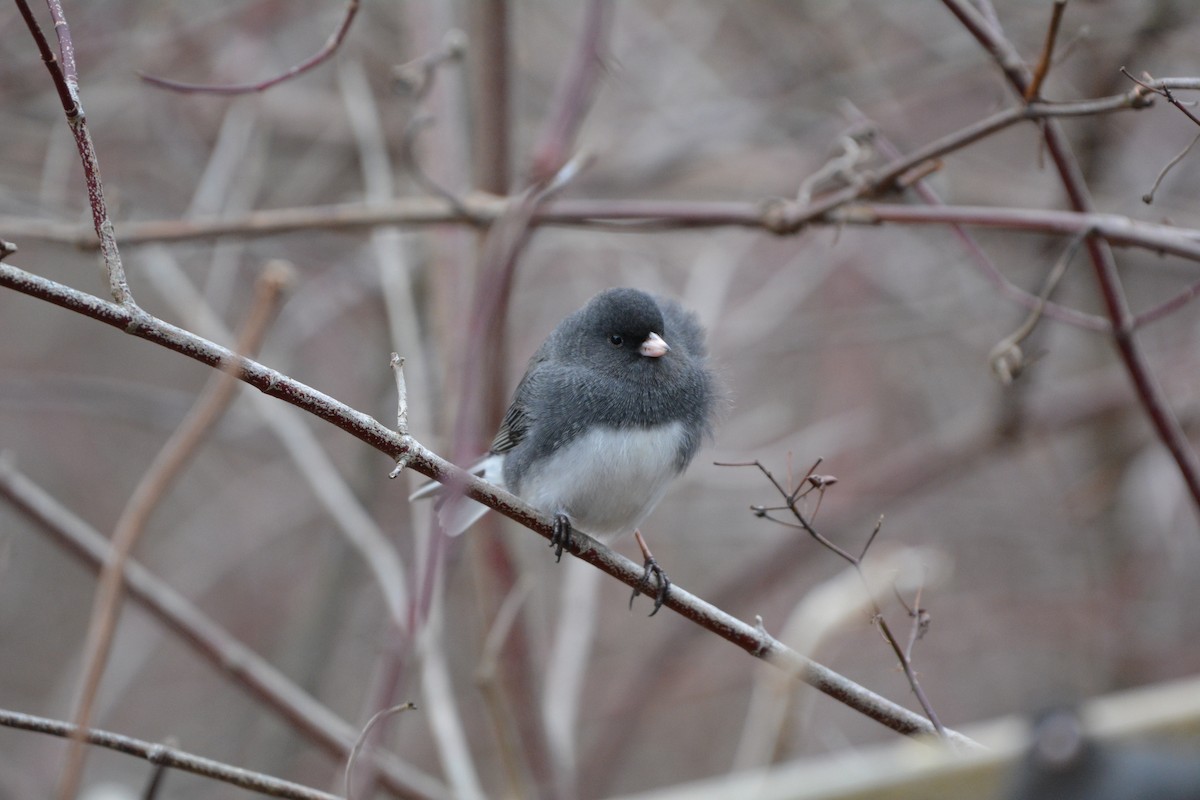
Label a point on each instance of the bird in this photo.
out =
(612, 408)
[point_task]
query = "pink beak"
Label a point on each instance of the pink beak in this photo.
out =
(654, 346)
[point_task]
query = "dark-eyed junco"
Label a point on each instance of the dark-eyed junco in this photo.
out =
(612, 407)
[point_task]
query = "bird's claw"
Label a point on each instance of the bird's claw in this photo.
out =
(651, 568)
(560, 537)
(660, 577)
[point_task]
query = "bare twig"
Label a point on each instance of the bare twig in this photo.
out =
(489, 92)
(371, 432)
(791, 497)
(379, 717)
(1047, 57)
(397, 363)
(1007, 359)
(417, 77)
(488, 679)
(66, 82)
(1148, 197)
(1163, 89)
(327, 50)
(165, 756)
(159, 477)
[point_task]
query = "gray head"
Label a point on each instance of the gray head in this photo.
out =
(619, 332)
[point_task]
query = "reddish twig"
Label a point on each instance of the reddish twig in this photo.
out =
(573, 96)
(65, 78)
(1047, 57)
(327, 50)
(1148, 197)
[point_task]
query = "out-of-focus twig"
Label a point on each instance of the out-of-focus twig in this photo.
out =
(1164, 90)
(154, 485)
(327, 50)
(379, 717)
(1047, 57)
(1007, 359)
(573, 96)
(232, 659)
(982, 260)
(488, 679)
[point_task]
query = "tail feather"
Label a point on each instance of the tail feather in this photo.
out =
(456, 514)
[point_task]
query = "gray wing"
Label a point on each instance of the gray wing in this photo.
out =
(520, 416)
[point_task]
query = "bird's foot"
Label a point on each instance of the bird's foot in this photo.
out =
(560, 538)
(651, 568)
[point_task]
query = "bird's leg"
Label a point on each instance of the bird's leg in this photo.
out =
(652, 568)
(560, 538)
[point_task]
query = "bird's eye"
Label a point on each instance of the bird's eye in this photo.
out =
(616, 339)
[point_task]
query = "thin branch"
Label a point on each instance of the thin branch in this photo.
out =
(327, 50)
(378, 717)
(397, 363)
(780, 217)
(165, 756)
(374, 434)
(804, 522)
(1006, 358)
(1148, 197)
(1047, 57)
(417, 79)
(154, 485)
(1163, 89)
(66, 95)
(66, 82)
(488, 681)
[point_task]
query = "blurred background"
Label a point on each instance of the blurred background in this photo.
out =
(1061, 546)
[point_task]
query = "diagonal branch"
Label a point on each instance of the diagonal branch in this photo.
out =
(754, 641)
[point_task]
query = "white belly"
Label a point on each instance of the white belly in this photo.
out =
(606, 481)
